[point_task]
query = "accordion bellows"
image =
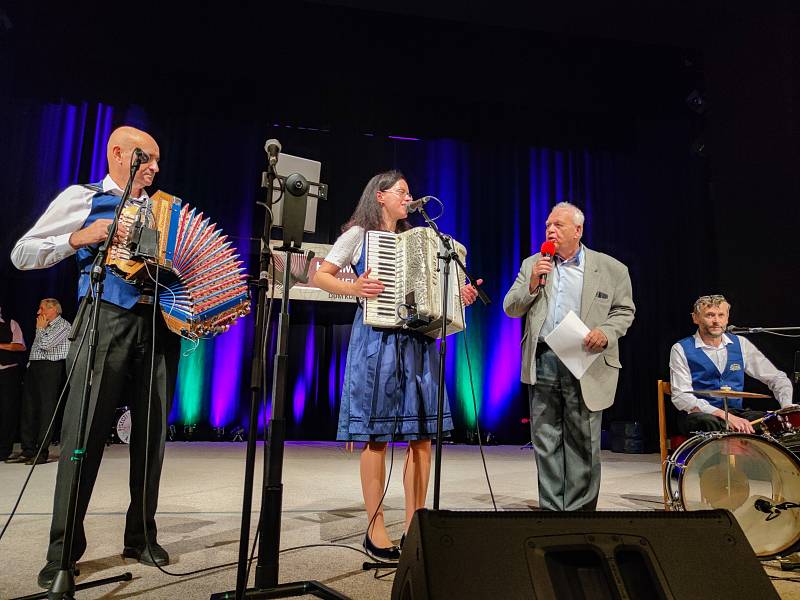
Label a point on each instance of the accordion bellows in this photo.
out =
(206, 288)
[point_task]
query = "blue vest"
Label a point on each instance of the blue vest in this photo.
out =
(116, 290)
(706, 376)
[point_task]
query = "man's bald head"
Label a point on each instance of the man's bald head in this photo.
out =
(119, 152)
(127, 138)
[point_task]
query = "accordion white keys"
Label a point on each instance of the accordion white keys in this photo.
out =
(408, 265)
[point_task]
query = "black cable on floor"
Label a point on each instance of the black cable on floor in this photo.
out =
(474, 400)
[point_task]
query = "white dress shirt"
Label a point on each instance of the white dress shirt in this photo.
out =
(756, 365)
(567, 289)
(47, 242)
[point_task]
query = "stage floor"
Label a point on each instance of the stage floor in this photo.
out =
(200, 503)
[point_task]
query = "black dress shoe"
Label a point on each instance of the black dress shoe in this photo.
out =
(159, 557)
(390, 553)
(17, 458)
(40, 460)
(49, 572)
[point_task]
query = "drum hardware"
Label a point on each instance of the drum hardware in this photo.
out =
(773, 510)
(237, 434)
(790, 562)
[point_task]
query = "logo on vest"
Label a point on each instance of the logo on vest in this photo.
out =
(736, 367)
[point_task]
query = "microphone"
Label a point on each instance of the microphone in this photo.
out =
(548, 249)
(142, 156)
(415, 205)
(739, 330)
(273, 149)
(764, 506)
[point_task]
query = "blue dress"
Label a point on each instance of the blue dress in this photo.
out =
(390, 384)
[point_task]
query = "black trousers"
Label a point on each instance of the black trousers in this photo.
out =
(44, 380)
(10, 398)
(688, 423)
(121, 373)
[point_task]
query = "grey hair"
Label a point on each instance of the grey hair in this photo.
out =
(577, 213)
(704, 302)
(52, 302)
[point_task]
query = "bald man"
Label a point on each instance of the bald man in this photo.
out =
(75, 223)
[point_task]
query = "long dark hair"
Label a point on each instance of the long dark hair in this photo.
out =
(368, 212)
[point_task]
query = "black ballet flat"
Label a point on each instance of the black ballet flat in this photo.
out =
(390, 553)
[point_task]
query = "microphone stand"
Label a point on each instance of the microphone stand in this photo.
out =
(267, 568)
(746, 330)
(63, 585)
(446, 257)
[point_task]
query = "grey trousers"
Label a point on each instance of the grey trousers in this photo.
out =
(121, 375)
(566, 438)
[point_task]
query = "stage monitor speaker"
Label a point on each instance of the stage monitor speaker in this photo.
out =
(578, 556)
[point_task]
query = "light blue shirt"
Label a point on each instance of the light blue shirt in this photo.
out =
(566, 289)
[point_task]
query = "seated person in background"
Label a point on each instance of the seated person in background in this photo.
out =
(711, 359)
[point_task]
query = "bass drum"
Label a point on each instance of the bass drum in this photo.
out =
(121, 431)
(734, 471)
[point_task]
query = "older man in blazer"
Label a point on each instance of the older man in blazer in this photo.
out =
(566, 413)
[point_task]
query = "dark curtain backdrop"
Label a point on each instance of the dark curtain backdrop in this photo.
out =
(509, 122)
(496, 195)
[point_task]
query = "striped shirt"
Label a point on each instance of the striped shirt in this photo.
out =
(51, 342)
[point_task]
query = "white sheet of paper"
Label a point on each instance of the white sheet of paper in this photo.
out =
(566, 340)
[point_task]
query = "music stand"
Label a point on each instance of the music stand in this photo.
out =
(295, 200)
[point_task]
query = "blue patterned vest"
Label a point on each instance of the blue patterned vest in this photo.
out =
(116, 290)
(706, 376)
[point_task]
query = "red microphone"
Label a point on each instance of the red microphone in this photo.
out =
(548, 249)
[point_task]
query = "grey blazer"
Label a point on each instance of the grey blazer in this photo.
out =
(606, 303)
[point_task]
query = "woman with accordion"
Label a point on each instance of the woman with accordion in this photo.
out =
(390, 384)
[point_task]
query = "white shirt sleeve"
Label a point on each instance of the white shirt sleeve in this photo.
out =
(47, 242)
(347, 249)
(681, 382)
(16, 334)
(758, 366)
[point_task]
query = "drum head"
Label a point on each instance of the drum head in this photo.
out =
(123, 426)
(733, 471)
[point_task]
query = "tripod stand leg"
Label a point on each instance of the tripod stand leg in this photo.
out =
(64, 586)
(287, 590)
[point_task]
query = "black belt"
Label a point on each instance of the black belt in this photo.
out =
(541, 348)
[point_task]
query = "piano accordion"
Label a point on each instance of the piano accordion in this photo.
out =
(407, 264)
(203, 286)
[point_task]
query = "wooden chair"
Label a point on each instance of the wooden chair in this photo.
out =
(664, 389)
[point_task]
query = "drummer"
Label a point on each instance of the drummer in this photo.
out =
(711, 359)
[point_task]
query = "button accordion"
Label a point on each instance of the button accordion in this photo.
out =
(203, 286)
(407, 264)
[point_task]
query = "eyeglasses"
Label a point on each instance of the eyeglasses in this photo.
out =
(401, 192)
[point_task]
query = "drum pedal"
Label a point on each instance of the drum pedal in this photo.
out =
(790, 562)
